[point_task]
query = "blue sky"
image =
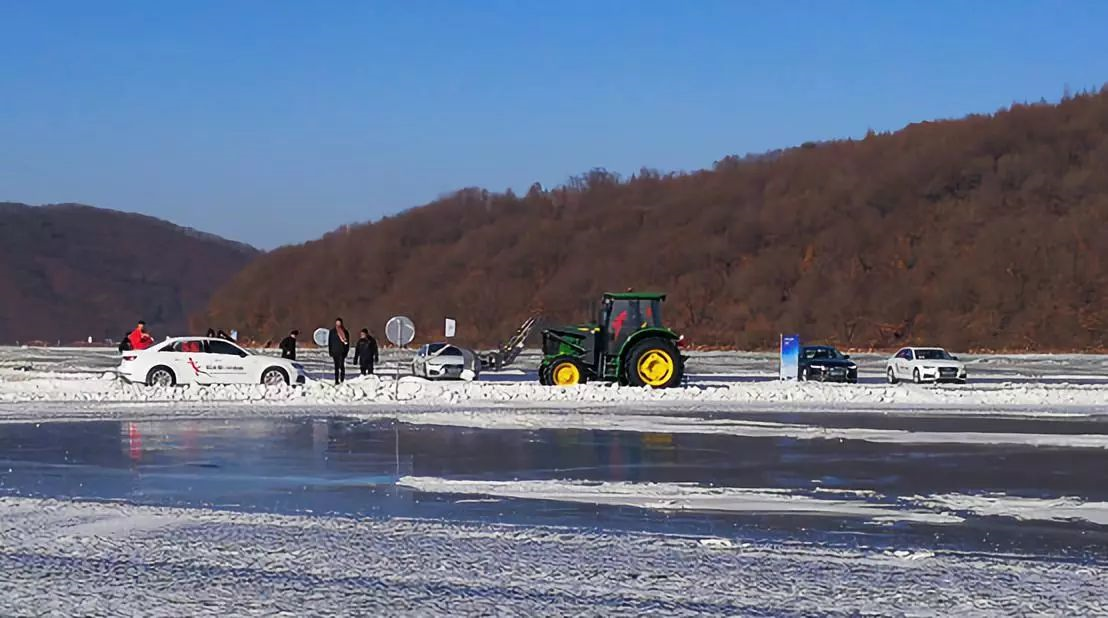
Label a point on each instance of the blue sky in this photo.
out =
(273, 122)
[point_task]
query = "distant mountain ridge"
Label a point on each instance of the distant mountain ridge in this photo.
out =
(69, 271)
(987, 232)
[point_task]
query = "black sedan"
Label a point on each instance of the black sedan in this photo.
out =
(826, 364)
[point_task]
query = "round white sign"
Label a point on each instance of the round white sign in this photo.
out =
(400, 330)
(320, 336)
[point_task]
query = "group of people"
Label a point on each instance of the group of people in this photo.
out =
(338, 346)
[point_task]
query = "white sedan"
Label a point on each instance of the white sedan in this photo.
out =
(436, 361)
(205, 360)
(925, 365)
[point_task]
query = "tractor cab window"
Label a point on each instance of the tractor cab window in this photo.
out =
(627, 317)
(653, 316)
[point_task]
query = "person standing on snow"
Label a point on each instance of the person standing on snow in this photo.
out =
(365, 353)
(139, 338)
(338, 344)
(288, 345)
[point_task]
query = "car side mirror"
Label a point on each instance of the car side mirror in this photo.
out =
(954, 357)
(846, 356)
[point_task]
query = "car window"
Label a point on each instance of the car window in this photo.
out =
(224, 347)
(450, 351)
(906, 354)
(187, 346)
(933, 354)
(820, 353)
(434, 348)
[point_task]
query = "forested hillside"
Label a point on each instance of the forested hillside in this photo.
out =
(985, 232)
(70, 271)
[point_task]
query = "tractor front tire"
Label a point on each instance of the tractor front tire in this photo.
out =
(656, 363)
(565, 371)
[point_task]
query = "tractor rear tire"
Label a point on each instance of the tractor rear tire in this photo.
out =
(566, 371)
(656, 363)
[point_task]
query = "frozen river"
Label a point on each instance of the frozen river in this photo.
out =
(737, 495)
(131, 498)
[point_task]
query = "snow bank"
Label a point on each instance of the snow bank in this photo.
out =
(656, 423)
(935, 509)
(1066, 508)
(684, 497)
(48, 387)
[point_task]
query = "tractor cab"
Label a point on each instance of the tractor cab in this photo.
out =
(628, 343)
(622, 315)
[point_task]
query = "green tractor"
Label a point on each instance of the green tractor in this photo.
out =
(628, 344)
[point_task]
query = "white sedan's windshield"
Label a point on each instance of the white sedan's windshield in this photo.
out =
(932, 355)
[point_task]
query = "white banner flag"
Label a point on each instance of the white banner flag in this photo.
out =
(451, 327)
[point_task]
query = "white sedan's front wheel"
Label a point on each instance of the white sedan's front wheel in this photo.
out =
(274, 376)
(916, 377)
(161, 376)
(890, 375)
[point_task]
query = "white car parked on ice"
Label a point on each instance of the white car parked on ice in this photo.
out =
(925, 365)
(204, 360)
(439, 361)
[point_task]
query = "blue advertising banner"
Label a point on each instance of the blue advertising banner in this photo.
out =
(790, 357)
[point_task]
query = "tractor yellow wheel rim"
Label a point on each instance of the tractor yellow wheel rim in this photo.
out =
(655, 368)
(566, 374)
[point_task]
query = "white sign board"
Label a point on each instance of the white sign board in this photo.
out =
(320, 336)
(451, 327)
(400, 330)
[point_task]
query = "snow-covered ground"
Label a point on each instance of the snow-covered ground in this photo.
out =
(68, 558)
(1015, 384)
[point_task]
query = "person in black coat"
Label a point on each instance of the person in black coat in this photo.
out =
(338, 344)
(365, 353)
(288, 345)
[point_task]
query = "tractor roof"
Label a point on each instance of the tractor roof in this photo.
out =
(634, 296)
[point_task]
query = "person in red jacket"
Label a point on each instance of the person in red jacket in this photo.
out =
(139, 338)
